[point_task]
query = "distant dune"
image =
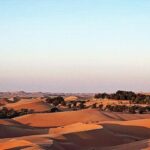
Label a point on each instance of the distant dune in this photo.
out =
(38, 105)
(71, 98)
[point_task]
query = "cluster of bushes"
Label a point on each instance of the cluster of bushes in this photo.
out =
(76, 105)
(129, 109)
(126, 95)
(55, 100)
(11, 113)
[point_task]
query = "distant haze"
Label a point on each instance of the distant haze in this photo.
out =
(74, 46)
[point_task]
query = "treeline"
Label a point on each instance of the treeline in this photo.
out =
(55, 102)
(131, 109)
(126, 95)
(128, 109)
(6, 113)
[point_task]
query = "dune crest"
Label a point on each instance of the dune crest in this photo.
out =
(38, 105)
(76, 127)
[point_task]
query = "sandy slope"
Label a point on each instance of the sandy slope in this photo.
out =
(139, 145)
(87, 136)
(112, 133)
(8, 122)
(12, 143)
(62, 118)
(3, 101)
(76, 127)
(97, 139)
(27, 142)
(71, 98)
(76, 130)
(37, 105)
(106, 102)
(7, 131)
(70, 117)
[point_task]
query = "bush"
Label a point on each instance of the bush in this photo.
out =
(55, 109)
(81, 105)
(55, 101)
(94, 105)
(11, 113)
(126, 95)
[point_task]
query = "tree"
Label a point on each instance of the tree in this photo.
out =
(101, 106)
(132, 109)
(55, 100)
(81, 105)
(12, 113)
(55, 109)
(142, 110)
(94, 106)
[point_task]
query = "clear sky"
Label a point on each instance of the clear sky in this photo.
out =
(74, 45)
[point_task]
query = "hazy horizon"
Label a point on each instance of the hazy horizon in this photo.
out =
(74, 46)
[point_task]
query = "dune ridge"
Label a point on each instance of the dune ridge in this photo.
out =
(37, 105)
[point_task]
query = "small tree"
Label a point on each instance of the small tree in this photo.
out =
(81, 105)
(55, 109)
(94, 106)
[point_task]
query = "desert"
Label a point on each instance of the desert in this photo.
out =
(74, 75)
(75, 122)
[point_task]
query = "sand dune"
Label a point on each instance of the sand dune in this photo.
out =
(63, 118)
(3, 101)
(76, 130)
(31, 142)
(37, 105)
(105, 102)
(77, 127)
(94, 139)
(7, 131)
(82, 136)
(139, 145)
(12, 143)
(117, 133)
(70, 117)
(8, 122)
(139, 122)
(71, 98)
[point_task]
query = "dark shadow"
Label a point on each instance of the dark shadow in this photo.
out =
(8, 131)
(19, 148)
(110, 135)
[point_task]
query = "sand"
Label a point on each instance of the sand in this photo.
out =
(63, 118)
(76, 130)
(12, 143)
(7, 131)
(38, 105)
(76, 127)
(71, 98)
(70, 117)
(139, 145)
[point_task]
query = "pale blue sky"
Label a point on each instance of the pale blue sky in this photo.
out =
(74, 45)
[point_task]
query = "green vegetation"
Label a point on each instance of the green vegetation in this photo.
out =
(11, 113)
(55, 100)
(128, 109)
(126, 95)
